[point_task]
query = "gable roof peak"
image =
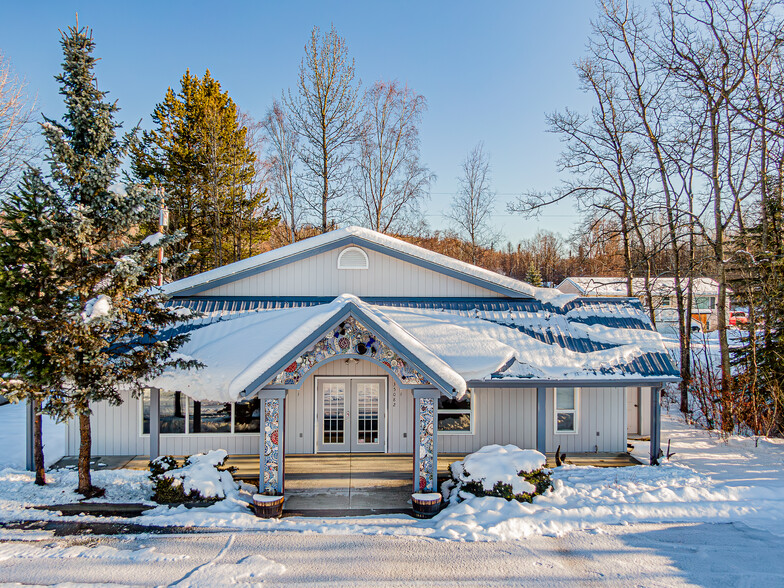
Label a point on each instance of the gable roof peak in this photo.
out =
(363, 237)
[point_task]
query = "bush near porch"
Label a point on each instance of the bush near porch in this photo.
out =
(201, 478)
(502, 471)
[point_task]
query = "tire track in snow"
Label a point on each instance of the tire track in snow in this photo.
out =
(183, 581)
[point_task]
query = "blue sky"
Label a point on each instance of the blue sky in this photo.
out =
(490, 71)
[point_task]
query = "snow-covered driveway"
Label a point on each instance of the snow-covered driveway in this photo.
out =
(636, 555)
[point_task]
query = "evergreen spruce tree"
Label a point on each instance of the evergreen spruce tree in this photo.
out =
(760, 285)
(30, 297)
(533, 276)
(114, 321)
(199, 153)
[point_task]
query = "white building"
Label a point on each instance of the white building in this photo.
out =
(705, 292)
(353, 341)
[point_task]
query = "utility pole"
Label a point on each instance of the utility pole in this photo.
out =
(163, 222)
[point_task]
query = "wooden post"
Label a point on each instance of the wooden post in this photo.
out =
(29, 436)
(541, 418)
(655, 425)
(155, 423)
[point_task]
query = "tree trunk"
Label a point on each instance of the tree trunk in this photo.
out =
(86, 487)
(38, 448)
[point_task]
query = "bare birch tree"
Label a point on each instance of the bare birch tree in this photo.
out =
(708, 41)
(16, 126)
(325, 112)
(283, 171)
(391, 179)
(473, 204)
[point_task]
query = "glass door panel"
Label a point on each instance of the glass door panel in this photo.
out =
(333, 415)
(368, 420)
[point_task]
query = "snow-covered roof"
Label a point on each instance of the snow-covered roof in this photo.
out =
(616, 286)
(361, 236)
(457, 343)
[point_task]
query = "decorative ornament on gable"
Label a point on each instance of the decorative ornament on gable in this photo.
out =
(352, 339)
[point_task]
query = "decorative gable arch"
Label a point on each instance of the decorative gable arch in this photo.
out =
(350, 339)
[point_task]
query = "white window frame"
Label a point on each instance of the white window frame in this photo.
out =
(352, 249)
(469, 412)
(187, 413)
(574, 411)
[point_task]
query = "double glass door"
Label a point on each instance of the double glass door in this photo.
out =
(350, 414)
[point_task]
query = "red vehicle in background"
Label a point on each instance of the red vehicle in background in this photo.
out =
(738, 318)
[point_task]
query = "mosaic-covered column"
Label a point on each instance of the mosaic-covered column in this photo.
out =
(271, 441)
(426, 440)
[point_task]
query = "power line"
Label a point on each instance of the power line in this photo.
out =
(507, 216)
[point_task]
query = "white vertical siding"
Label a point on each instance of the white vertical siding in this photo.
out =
(318, 276)
(602, 411)
(300, 408)
(502, 416)
(114, 429)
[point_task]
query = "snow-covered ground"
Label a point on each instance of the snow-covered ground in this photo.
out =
(713, 515)
(708, 480)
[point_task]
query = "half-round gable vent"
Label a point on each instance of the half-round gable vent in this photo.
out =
(352, 258)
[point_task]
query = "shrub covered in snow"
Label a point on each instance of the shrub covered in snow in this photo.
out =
(203, 477)
(502, 471)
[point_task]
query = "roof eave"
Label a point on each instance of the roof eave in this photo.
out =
(537, 382)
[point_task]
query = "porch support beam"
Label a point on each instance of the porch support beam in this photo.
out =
(541, 418)
(271, 464)
(29, 441)
(155, 422)
(426, 439)
(655, 425)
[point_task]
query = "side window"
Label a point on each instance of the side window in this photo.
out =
(566, 402)
(177, 410)
(209, 416)
(247, 416)
(455, 416)
(172, 412)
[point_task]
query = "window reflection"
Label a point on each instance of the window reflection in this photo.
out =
(209, 417)
(172, 412)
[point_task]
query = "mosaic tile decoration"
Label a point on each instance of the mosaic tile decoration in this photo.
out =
(350, 338)
(271, 447)
(426, 410)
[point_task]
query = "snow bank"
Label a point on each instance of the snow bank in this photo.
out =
(202, 476)
(496, 463)
(18, 490)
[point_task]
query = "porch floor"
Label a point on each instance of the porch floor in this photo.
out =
(370, 482)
